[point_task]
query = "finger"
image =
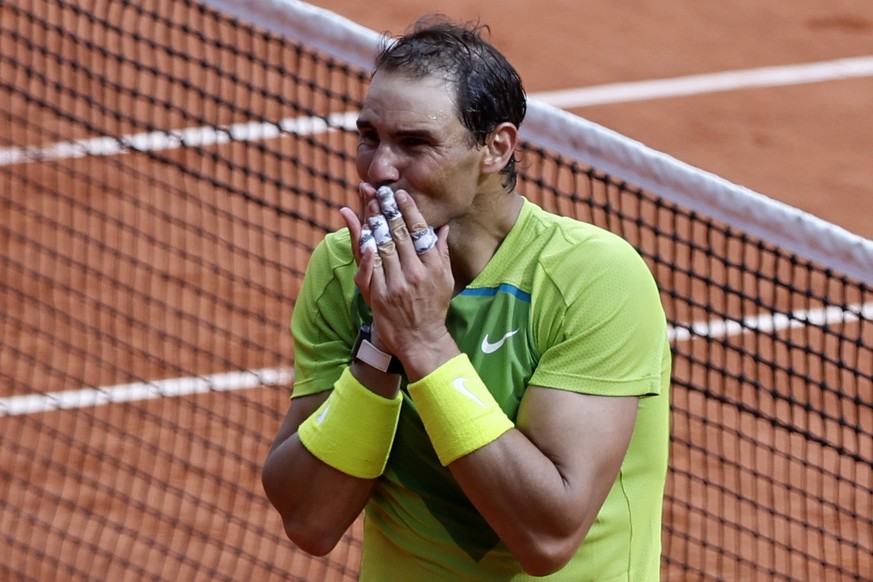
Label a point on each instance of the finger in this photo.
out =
(365, 194)
(391, 211)
(396, 223)
(367, 243)
(442, 245)
(370, 263)
(388, 204)
(384, 242)
(378, 225)
(423, 240)
(359, 229)
(356, 231)
(421, 234)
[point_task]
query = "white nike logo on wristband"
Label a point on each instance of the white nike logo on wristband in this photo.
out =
(490, 348)
(459, 385)
(320, 418)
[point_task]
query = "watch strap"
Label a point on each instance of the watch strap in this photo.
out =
(366, 352)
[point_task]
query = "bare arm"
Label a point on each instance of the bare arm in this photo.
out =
(317, 503)
(553, 473)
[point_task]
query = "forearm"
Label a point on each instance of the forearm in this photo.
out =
(539, 482)
(538, 513)
(324, 462)
(316, 502)
(516, 488)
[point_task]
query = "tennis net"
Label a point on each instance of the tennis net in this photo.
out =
(167, 167)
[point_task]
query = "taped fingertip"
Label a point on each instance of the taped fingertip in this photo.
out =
(367, 241)
(388, 203)
(379, 226)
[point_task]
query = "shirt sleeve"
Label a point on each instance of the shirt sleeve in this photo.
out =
(601, 328)
(322, 324)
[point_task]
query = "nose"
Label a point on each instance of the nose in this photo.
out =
(382, 166)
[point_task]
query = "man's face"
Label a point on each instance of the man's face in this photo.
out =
(412, 138)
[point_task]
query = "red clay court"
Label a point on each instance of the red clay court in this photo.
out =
(166, 171)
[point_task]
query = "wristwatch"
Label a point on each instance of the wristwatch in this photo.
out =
(366, 352)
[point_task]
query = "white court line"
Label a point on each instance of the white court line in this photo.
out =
(767, 323)
(710, 83)
(173, 139)
(174, 387)
(568, 99)
(169, 388)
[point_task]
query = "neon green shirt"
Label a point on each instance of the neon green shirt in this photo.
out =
(562, 304)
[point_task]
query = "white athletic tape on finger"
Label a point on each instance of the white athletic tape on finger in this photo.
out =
(388, 203)
(379, 226)
(423, 240)
(367, 240)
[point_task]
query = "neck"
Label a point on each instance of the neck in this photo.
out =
(474, 239)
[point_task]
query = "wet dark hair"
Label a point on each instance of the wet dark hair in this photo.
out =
(489, 89)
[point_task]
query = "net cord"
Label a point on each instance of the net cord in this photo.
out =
(309, 25)
(771, 221)
(574, 137)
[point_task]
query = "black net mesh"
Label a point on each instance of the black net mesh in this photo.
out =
(166, 171)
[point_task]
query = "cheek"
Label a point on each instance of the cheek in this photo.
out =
(363, 157)
(440, 207)
(428, 207)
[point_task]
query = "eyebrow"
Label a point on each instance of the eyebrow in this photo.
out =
(363, 124)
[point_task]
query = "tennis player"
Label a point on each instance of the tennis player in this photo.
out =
(497, 402)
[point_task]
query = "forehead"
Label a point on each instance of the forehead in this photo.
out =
(397, 99)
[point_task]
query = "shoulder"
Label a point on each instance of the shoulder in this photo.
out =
(335, 248)
(331, 255)
(572, 256)
(555, 236)
(329, 274)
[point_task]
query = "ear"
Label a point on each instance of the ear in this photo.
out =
(499, 147)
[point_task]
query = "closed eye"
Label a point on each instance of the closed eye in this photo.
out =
(366, 131)
(412, 142)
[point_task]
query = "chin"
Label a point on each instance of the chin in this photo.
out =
(427, 211)
(433, 223)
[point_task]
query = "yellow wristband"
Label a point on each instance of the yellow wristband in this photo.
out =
(459, 413)
(352, 431)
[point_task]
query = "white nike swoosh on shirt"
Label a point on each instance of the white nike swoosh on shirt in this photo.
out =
(458, 384)
(490, 348)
